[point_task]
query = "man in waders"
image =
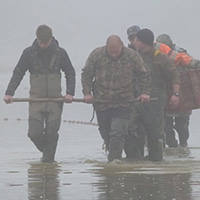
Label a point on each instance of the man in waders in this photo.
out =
(44, 60)
(151, 115)
(174, 120)
(140, 136)
(108, 81)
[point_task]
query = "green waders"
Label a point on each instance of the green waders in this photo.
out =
(44, 123)
(45, 118)
(113, 124)
(151, 116)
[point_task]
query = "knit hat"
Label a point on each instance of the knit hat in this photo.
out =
(146, 36)
(133, 30)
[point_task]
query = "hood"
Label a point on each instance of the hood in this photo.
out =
(51, 49)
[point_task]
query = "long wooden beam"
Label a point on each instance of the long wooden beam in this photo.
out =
(62, 99)
(44, 100)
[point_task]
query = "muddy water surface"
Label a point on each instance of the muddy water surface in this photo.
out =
(82, 171)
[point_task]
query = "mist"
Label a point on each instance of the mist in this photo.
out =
(82, 173)
(82, 25)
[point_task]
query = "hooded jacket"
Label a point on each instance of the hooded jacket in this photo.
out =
(45, 66)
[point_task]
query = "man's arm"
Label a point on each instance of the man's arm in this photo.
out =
(87, 76)
(173, 78)
(144, 79)
(18, 74)
(175, 98)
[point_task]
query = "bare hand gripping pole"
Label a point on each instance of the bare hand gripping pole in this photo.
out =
(62, 99)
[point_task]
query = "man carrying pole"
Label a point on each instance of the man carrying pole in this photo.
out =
(44, 60)
(108, 81)
(163, 72)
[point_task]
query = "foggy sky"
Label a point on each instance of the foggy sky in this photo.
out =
(82, 25)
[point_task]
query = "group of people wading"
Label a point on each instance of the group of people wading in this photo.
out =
(126, 85)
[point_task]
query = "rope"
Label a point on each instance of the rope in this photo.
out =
(65, 121)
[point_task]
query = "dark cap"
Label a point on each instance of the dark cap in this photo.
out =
(146, 36)
(133, 30)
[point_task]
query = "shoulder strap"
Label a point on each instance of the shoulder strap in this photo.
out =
(156, 52)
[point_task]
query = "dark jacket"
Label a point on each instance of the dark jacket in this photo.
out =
(162, 70)
(34, 54)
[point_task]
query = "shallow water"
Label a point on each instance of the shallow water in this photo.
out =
(82, 171)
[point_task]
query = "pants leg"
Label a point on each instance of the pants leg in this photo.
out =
(104, 123)
(114, 126)
(52, 122)
(169, 132)
(182, 128)
(36, 132)
(117, 138)
(135, 139)
(153, 118)
(50, 141)
(119, 125)
(44, 123)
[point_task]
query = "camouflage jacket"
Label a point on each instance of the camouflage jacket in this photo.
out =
(112, 82)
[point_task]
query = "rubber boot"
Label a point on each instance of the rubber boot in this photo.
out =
(132, 147)
(115, 148)
(156, 151)
(50, 148)
(36, 133)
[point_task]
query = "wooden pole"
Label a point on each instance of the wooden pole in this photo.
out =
(44, 100)
(62, 99)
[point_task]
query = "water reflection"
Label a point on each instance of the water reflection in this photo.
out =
(43, 181)
(144, 180)
(118, 186)
(177, 153)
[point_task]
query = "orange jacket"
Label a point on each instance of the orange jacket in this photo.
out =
(179, 58)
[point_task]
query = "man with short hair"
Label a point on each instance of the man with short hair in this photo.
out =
(151, 115)
(108, 82)
(44, 60)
